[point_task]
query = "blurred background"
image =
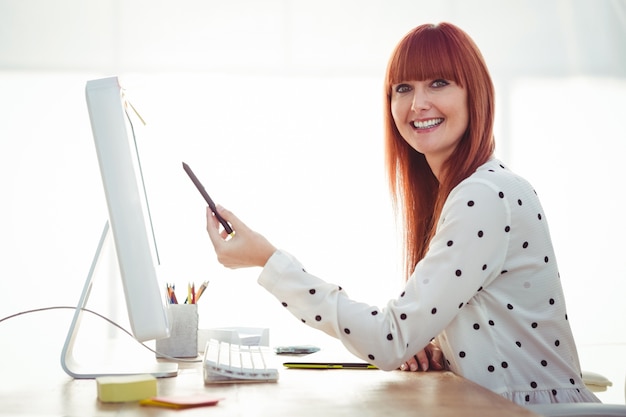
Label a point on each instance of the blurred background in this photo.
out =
(277, 106)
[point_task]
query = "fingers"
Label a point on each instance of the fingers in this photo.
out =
(429, 358)
(422, 359)
(213, 225)
(213, 228)
(436, 358)
(245, 248)
(410, 365)
(220, 238)
(229, 217)
(418, 362)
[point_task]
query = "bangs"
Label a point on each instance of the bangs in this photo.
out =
(424, 54)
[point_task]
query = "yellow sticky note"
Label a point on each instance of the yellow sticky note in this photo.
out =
(125, 388)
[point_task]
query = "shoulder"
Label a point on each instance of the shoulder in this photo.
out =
(491, 189)
(496, 176)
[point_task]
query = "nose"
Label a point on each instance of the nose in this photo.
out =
(420, 101)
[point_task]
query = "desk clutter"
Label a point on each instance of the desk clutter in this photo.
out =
(230, 355)
(192, 296)
(143, 389)
(237, 354)
(226, 362)
(180, 402)
(183, 318)
(183, 340)
(126, 388)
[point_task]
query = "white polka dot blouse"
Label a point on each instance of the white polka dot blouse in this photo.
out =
(488, 291)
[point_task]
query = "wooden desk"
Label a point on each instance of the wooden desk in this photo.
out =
(33, 383)
(297, 393)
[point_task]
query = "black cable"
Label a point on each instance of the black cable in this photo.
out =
(37, 310)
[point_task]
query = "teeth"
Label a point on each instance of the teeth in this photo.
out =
(427, 123)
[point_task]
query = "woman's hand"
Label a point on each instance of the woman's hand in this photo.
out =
(429, 358)
(243, 248)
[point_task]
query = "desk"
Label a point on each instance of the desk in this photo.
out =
(298, 392)
(33, 383)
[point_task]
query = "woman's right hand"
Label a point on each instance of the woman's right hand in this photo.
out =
(429, 358)
(241, 249)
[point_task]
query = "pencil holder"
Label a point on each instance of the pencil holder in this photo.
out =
(183, 340)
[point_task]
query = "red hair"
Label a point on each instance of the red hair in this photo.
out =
(432, 52)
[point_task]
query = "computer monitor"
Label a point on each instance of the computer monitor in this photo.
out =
(130, 225)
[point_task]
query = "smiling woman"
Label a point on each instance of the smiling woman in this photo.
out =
(483, 285)
(280, 116)
(422, 81)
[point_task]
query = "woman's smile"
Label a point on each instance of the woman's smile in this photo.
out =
(427, 124)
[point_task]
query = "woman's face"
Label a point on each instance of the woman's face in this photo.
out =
(431, 116)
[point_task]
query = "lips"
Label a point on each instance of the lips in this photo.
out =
(427, 124)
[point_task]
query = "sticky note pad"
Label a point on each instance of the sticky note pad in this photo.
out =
(125, 388)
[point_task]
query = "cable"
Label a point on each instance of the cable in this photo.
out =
(37, 310)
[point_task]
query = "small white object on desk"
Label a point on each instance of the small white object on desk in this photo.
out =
(183, 340)
(227, 362)
(238, 354)
(244, 336)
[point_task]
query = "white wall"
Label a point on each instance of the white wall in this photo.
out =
(277, 107)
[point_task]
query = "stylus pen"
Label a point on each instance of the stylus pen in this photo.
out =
(207, 198)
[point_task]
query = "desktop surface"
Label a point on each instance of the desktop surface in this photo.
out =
(298, 392)
(32, 383)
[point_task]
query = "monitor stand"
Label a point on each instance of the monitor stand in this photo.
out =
(81, 371)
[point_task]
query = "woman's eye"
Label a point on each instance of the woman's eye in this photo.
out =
(439, 83)
(402, 88)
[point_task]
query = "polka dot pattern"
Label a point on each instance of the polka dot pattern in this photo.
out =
(489, 266)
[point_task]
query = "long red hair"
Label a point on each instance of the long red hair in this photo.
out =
(432, 52)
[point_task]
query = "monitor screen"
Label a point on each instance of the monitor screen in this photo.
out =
(129, 224)
(128, 209)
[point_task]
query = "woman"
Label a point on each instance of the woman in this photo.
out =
(482, 280)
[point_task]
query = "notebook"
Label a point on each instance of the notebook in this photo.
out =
(329, 359)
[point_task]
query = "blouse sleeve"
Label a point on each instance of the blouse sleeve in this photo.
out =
(466, 253)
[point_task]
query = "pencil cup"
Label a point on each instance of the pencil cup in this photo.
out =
(183, 340)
